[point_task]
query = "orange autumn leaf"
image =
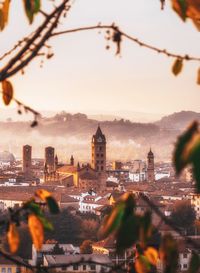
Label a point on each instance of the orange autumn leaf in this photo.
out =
(152, 255)
(142, 264)
(7, 92)
(13, 238)
(4, 11)
(43, 194)
(36, 230)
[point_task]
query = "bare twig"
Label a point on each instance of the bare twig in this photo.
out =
(131, 38)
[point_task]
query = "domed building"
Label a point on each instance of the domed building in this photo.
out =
(6, 156)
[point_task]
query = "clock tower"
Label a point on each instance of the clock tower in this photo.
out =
(99, 151)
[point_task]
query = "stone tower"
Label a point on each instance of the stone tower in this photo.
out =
(72, 160)
(150, 167)
(99, 151)
(27, 159)
(50, 159)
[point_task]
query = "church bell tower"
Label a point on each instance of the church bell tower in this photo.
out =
(99, 151)
(150, 167)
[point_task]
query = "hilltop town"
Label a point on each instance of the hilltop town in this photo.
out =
(86, 190)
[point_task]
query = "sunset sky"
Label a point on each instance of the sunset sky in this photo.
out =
(85, 77)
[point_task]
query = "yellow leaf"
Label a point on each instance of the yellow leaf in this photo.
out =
(152, 255)
(177, 66)
(13, 238)
(36, 230)
(7, 92)
(43, 194)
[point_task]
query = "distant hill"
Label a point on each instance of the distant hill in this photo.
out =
(72, 134)
(178, 120)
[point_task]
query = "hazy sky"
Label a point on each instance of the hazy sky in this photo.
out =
(83, 76)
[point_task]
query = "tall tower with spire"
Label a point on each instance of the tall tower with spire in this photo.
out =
(99, 151)
(150, 167)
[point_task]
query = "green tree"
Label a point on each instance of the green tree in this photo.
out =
(183, 215)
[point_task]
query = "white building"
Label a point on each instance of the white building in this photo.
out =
(82, 263)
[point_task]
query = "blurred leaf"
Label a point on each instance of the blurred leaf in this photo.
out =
(183, 147)
(128, 233)
(7, 92)
(169, 253)
(180, 6)
(46, 224)
(196, 171)
(177, 66)
(36, 230)
(145, 229)
(152, 255)
(35, 208)
(198, 76)
(188, 9)
(43, 194)
(13, 238)
(142, 264)
(187, 151)
(53, 205)
(4, 11)
(31, 8)
(194, 265)
(121, 211)
(112, 221)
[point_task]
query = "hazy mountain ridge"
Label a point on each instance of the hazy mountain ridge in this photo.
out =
(179, 120)
(72, 133)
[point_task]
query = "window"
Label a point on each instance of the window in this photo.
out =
(93, 267)
(75, 267)
(3, 270)
(101, 161)
(102, 168)
(185, 266)
(100, 148)
(64, 268)
(185, 255)
(84, 267)
(101, 155)
(97, 155)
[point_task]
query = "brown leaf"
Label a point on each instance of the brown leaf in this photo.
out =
(177, 66)
(198, 76)
(4, 11)
(13, 238)
(36, 230)
(7, 92)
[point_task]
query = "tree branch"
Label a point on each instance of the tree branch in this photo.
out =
(131, 38)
